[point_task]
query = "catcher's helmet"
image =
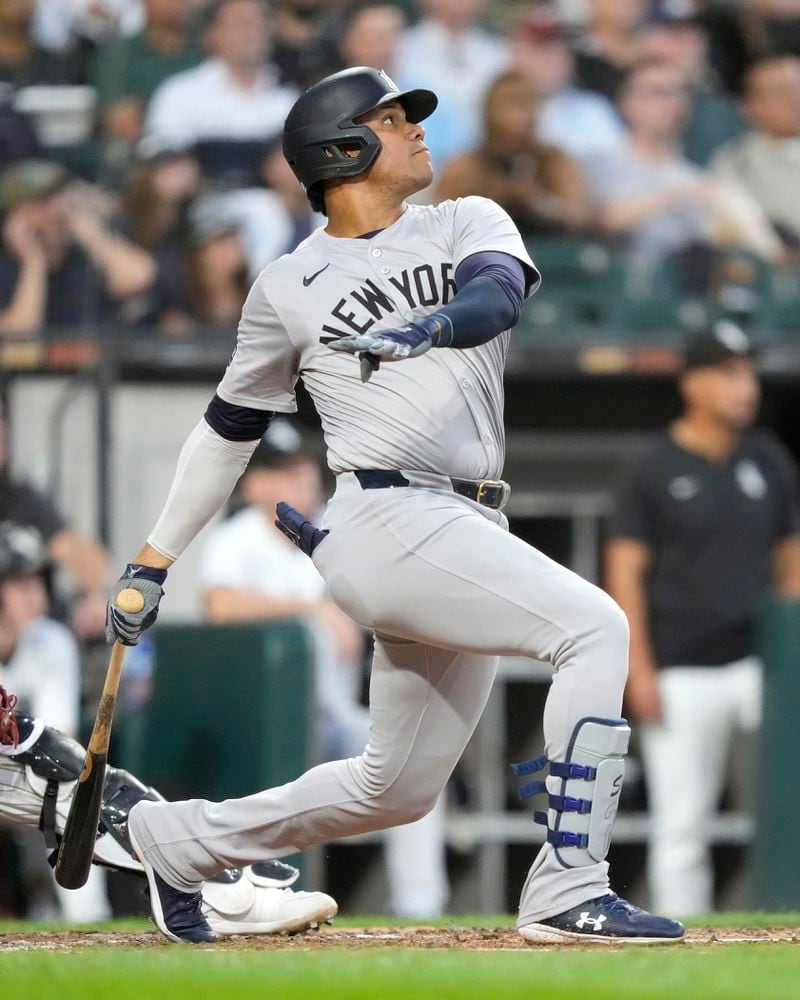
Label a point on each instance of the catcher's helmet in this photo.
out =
(21, 550)
(321, 124)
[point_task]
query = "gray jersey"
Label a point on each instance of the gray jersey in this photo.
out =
(441, 412)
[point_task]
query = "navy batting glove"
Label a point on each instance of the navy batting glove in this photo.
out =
(123, 626)
(410, 341)
(298, 529)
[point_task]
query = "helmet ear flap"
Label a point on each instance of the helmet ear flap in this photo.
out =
(347, 157)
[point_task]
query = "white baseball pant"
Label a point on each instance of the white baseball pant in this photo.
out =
(685, 758)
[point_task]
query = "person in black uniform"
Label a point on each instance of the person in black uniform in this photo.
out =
(706, 521)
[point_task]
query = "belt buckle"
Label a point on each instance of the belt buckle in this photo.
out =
(501, 489)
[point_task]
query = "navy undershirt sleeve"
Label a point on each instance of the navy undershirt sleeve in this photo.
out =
(490, 291)
(237, 423)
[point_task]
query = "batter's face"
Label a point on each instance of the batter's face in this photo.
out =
(728, 393)
(404, 163)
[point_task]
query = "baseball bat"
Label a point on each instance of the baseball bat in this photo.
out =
(80, 832)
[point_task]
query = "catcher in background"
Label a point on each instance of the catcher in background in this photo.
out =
(707, 519)
(39, 767)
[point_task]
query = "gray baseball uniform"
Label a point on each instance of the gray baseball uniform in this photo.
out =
(438, 578)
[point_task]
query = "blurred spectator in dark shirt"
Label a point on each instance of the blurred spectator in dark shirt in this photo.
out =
(538, 185)
(371, 34)
(218, 260)
(235, 234)
(651, 197)
(17, 135)
(22, 61)
(304, 40)
(229, 106)
(609, 44)
(157, 200)
(766, 160)
(675, 34)
(728, 50)
(580, 122)
(449, 52)
(127, 71)
(61, 264)
(85, 560)
(773, 26)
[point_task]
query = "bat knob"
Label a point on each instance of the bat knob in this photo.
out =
(130, 601)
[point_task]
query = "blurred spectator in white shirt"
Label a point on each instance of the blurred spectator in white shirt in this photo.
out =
(579, 122)
(451, 54)
(675, 33)
(766, 160)
(229, 106)
(38, 656)
(57, 22)
(652, 198)
(39, 664)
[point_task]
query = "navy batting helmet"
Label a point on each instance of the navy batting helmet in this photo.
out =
(321, 126)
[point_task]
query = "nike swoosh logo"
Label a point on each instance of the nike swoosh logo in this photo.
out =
(307, 281)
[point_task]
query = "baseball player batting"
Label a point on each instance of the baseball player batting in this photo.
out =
(414, 544)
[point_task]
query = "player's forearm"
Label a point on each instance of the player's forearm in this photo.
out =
(127, 268)
(491, 290)
(208, 468)
(786, 567)
(626, 584)
(620, 216)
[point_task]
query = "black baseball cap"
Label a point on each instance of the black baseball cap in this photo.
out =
(723, 341)
(281, 445)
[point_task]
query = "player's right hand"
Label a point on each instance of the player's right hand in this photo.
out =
(410, 341)
(127, 627)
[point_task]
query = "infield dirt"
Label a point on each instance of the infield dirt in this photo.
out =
(353, 938)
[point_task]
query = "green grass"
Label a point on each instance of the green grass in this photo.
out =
(729, 972)
(753, 972)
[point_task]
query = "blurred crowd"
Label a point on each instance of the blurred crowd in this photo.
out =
(141, 175)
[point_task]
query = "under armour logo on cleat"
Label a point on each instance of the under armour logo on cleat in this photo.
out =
(596, 923)
(307, 280)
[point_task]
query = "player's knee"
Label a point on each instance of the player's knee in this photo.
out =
(402, 806)
(613, 620)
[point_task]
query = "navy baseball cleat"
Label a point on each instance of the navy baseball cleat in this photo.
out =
(178, 915)
(607, 920)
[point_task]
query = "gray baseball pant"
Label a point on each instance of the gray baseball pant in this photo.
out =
(447, 590)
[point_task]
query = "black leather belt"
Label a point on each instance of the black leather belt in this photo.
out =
(492, 493)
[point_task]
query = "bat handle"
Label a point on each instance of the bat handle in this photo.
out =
(130, 601)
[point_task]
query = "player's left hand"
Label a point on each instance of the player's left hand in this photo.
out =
(409, 341)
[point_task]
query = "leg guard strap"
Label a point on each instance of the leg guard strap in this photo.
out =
(590, 785)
